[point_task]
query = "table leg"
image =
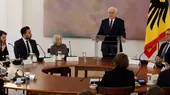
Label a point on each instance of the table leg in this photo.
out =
(76, 72)
(85, 73)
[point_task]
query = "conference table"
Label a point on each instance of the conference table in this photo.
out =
(48, 83)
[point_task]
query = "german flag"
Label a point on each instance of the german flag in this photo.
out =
(157, 24)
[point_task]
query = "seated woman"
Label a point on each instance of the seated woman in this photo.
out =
(3, 46)
(120, 76)
(58, 46)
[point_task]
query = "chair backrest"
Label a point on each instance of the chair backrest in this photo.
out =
(48, 50)
(166, 90)
(115, 91)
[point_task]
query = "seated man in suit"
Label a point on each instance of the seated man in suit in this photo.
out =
(112, 27)
(120, 76)
(58, 46)
(25, 46)
(164, 76)
(165, 47)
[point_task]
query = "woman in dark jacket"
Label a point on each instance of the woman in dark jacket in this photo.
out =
(3, 46)
(120, 76)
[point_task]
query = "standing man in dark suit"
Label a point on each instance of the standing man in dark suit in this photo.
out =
(165, 47)
(25, 46)
(112, 27)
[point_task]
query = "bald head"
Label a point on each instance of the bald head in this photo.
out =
(112, 12)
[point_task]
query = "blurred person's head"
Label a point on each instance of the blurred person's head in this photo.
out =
(112, 12)
(86, 93)
(155, 91)
(167, 37)
(121, 60)
(57, 40)
(3, 37)
(26, 32)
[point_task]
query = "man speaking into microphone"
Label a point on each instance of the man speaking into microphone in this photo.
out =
(112, 28)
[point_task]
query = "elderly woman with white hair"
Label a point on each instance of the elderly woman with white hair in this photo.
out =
(58, 46)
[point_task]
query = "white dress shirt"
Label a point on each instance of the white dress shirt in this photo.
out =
(167, 47)
(28, 44)
(112, 22)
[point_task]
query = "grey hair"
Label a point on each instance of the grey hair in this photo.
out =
(113, 9)
(155, 91)
(55, 37)
(86, 93)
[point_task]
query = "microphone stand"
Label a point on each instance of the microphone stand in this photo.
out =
(70, 49)
(42, 50)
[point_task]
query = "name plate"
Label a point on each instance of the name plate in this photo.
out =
(49, 59)
(150, 65)
(75, 59)
(28, 61)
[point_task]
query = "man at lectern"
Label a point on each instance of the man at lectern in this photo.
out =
(112, 28)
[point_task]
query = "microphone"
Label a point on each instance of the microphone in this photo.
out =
(16, 61)
(143, 61)
(70, 48)
(11, 45)
(41, 59)
(42, 50)
(140, 67)
(23, 78)
(96, 82)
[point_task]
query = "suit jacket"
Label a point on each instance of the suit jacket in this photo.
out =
(3, 54)
(54, 49)
(118, 78)
(161, 49)
(21, 50)
(118, 29)
(164, 79)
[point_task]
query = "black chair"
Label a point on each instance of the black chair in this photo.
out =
(63, 71)
(115, 90)
(48, 50)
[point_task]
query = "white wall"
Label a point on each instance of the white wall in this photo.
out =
(33, 16)
(3, 15)
(14, 22)
(30, 12)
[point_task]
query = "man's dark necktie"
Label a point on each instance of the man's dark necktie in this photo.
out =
(111, 25)
(28, 48)
(164, 50)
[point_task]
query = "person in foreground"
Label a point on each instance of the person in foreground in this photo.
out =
(3, 46)
(165, 47)
(25, 46)
(155, 90)
(164, 76)
(120, 76)
(113, 27)
(86, 93)
(58, 46)
(1, 84)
